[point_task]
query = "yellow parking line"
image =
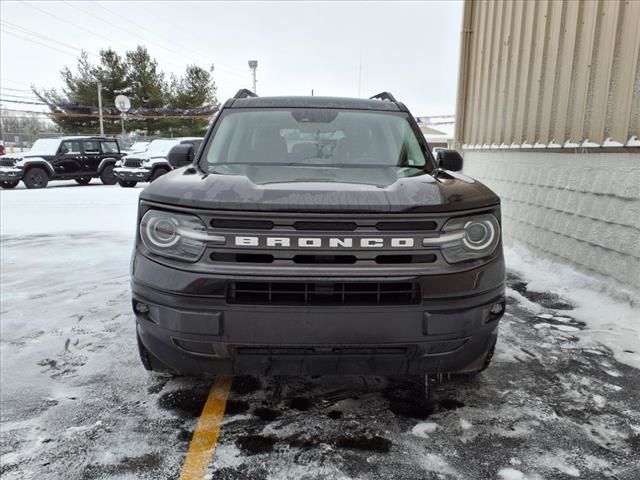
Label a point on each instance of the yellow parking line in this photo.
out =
(205, 436)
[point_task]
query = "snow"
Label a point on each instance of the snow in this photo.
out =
(424, 429)
(464, 424)
(68, 208)
(611, 318)
(511, 474)
(74, 394)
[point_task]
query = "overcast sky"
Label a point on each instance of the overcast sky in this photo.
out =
(407, 48)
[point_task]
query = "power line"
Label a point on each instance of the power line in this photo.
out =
(231, 70)
(38, 34)
(21, 101)
(67, 22)
(138, 111)
(22, 97)
(39, 43)
(181, 55)
(175, 52)
(15, 89)
(131, 117)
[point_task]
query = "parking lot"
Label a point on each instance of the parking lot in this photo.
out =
(561, 400)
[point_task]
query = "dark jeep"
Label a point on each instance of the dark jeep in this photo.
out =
(67, 158)
(317, 235)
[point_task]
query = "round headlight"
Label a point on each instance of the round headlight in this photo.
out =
(174, 235)
(162, 232)
(470, 238)
(478, 235)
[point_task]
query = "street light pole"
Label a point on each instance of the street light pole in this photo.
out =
(253, 65)
(100, 107)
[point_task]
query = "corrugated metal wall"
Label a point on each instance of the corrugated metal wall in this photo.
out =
(551, 72)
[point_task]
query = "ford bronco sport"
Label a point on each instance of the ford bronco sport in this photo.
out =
(66, 158)
(317, 235)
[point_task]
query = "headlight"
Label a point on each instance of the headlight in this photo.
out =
(469, 238)
(175, 235)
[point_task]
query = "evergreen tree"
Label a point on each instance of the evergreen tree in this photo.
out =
(80, 94)
(146, 88)
(138, 76)
(194, 92)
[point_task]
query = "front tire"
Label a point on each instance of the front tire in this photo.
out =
(107, 176)
(157, 174)
(127, 184)
(7, 184)
(36, 177)
(83, 180)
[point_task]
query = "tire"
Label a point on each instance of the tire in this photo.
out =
(36, 177)
(127, 184)
(157, 174)
(83, 180)
(151, 363)
(107, 176)
(7, 184)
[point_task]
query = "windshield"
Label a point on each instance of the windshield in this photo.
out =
(313, 137)
(45, 146)
(161, 146)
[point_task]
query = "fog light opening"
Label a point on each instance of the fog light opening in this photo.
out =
(497, 308)
(142, 307)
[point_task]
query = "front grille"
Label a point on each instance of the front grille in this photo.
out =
(406, 226)
(357, 350)
(323, 293)
(7, 162)
(132, 162)
(232, 223)
(315, 242)
(326, 226)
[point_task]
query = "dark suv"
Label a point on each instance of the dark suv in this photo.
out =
(67, 158)
(317, 235)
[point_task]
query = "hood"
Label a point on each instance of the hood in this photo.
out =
(144, 155)
(360, 190)
(22, 155)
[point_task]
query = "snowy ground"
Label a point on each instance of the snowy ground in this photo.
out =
(561, 400)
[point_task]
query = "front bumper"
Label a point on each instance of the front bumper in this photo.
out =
(130, 174)
(11, 174)
(449, 330)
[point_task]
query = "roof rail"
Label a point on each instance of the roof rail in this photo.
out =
(244, 93)
(384, 96)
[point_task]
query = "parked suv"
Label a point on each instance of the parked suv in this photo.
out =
(66, 158)
(151, 164)
(317, 235)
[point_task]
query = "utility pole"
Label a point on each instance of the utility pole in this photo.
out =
(253, 65)
(360, 75)
(100, 107)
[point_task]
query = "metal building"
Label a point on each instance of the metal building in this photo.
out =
(548, 114)
(549, 72)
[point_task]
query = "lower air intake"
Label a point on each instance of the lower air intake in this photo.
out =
(330, 293)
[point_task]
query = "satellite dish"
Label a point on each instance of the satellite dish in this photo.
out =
(123, 103)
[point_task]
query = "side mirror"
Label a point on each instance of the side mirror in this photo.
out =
(449, 160)
(181, 155)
